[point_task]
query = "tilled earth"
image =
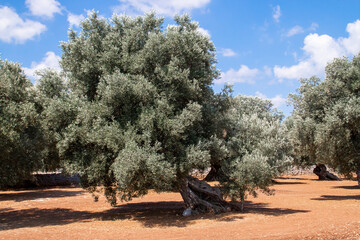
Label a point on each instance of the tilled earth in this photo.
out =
(302, 208)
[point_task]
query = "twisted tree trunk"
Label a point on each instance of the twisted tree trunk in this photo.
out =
(323, 174)
(199, 196)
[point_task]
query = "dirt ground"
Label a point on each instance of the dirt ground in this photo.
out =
(302, 208)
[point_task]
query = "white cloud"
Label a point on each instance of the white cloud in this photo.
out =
(161, 7)
(277, 101)
(50, 61)
(74, 20)
(295, 30)
(352, 43)
(13, 28)
(243, 75)
(276, 13)
(204, 32)
(320, 50)
(299, 29)
(43, 8)
(227, 52)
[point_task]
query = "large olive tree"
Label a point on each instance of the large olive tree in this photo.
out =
(145, 115)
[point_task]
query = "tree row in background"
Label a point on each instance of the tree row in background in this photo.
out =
(26, 143)
(133, 110)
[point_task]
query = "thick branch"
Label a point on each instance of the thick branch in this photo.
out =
(214, 174)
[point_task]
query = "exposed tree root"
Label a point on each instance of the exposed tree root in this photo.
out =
(199, 196)
(321, 171)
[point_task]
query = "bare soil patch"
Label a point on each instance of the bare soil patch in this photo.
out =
(302, 208)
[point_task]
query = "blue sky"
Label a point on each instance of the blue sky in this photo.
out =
(263, 47)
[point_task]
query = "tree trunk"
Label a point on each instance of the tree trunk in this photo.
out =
(358, 176)
(214, 174)
(323, 174)
(199, 196)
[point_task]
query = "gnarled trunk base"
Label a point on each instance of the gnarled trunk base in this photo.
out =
(199, 196)
(323, 174)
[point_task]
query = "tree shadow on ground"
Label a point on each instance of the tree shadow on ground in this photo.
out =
(5, 209)
(337, 198)
(286, 183)
(355, 187)
(38, 194)
(36, 217)
(150, 214)
(261, 208)
(297, 178)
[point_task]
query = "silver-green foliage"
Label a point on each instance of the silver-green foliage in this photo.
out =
(139, 92)
(142, 114)
(326, 119)
(257, 146)
(21, 136)
(55, 113)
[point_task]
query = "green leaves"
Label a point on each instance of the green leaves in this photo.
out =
(137, 111)
(137, 169)
(137, 96)
(326, 120)
(21, 137)
(252, 148)
(247, 175)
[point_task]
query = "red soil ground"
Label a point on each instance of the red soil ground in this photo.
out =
(302, 208)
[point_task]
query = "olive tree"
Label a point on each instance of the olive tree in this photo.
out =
(55, 113)
(249, 124)
(307, 115)
(145, 115)
(326, 118)
(21, 136)
(257, 147)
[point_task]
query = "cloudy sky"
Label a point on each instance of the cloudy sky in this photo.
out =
(263, 47)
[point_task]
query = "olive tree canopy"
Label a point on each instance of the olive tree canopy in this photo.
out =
(144, 115)
(326, 119)
(21, 137)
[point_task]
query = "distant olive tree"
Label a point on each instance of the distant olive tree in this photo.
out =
(326, 118)
(21, 136)
(55, 113)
